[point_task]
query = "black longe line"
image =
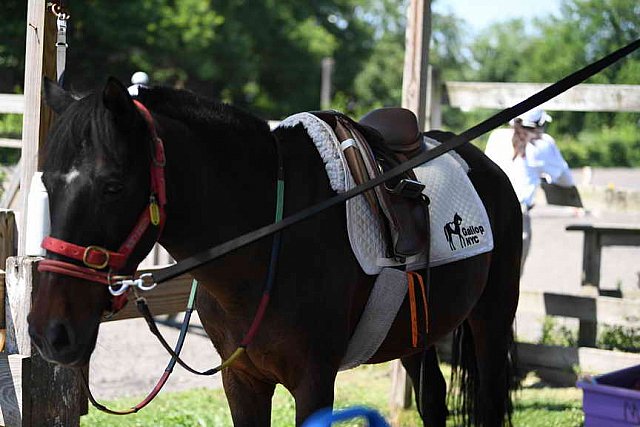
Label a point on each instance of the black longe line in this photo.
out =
(491, 123)
(143, 308)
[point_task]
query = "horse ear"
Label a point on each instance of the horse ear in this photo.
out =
(56, 97)
(116, 99)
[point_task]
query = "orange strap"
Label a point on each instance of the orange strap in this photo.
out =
(424, 301)
(412, 305)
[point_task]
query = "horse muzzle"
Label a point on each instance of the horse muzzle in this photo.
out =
(64, 319)
(59, 343)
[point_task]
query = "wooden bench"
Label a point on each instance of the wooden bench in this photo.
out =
(595, 238)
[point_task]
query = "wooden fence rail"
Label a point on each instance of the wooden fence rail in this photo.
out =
(11, 103)
(583, 97)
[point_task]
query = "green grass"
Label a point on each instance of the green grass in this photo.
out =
(536, 405)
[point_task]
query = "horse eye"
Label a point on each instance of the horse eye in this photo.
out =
(112, 188)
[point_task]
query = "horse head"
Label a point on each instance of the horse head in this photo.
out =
(457, 219)
(96, 173)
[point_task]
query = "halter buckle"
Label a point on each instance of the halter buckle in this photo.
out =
(87, 253)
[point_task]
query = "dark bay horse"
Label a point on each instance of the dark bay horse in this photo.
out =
(221, 183)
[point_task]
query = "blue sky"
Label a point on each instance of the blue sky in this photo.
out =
(481, 13)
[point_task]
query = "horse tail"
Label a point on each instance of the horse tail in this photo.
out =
(464, 396)
(464, 392)
(468, 402)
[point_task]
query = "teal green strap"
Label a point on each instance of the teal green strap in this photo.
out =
(280, 200)
(192, 295)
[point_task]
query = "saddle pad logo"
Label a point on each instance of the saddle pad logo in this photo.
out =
(468, 235)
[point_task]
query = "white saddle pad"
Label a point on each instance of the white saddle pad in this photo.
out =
(459, 223)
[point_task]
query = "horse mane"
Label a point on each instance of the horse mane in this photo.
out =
(88, 118)
(199, 111)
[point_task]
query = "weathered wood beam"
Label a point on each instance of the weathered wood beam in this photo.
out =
(11, 103)
(14, 371)
(416, 59)
(558, 364)
(10, 143)
(9, 199)
(583, 97)
(51, 394)
(40, 61)
(608, 310)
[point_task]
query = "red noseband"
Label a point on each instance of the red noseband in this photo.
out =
(102, 265)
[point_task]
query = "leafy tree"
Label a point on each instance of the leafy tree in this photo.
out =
(265, 55)
(555, 46)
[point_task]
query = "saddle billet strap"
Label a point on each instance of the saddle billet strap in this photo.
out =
(474, 132)
(356, 164)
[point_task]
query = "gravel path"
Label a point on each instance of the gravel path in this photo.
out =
(128, 360)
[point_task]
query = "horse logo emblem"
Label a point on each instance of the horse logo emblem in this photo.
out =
(452, 228)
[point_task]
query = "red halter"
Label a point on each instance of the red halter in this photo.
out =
(96, 258)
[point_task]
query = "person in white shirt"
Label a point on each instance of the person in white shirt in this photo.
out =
(527, 154)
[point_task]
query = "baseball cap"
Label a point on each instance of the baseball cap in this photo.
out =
(535, 118)
(140, 78)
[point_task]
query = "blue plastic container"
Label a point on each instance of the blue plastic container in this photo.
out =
(325, 417)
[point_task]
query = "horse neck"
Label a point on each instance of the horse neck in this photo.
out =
(219, 186)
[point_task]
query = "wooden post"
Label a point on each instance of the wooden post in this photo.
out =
(416, 59)
(40, 60)
(7, 249)
(42, 393)
(325, 88)
(414, 97)
(433, 119)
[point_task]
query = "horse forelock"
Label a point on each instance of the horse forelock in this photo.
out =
(85, 132)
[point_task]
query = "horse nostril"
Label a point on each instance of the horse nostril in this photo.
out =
(59, 336)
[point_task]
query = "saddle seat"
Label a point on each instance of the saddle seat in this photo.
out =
(398, 127)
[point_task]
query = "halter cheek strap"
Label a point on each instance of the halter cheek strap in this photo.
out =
(96, 259)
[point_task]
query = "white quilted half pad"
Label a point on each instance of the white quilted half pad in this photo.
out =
(447, 186)
(365, 228)
(383, 305)
(327, 144)
(451, 192)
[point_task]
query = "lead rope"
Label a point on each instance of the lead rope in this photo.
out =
(167, 372)
(143, 308)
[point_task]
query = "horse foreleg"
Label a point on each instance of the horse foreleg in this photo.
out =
(429, 386)
(313, 392)
(249, 399)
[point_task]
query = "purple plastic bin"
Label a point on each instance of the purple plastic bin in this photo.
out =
(610, 400)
